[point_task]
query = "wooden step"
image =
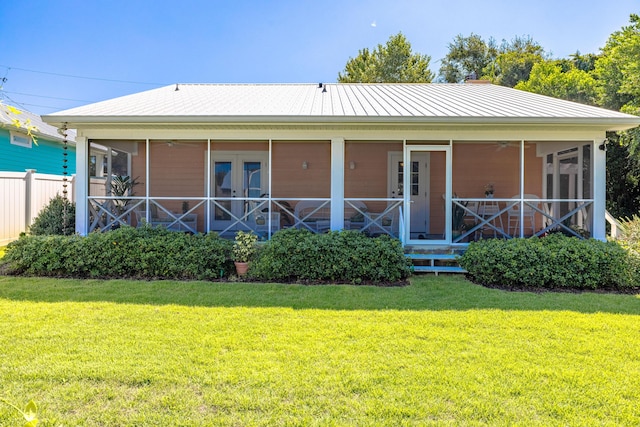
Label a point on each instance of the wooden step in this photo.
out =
(433, 260)
(438, 269)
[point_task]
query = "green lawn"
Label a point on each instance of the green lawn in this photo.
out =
(439, 352)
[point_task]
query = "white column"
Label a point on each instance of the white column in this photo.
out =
(599, 190)
(28, 197)
(337, 183)
(82, 185)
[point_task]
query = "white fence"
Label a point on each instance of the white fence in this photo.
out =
(22, 197)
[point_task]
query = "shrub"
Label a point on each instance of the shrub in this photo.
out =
(630, 228)
(244, 247)
(341, 257)
(143, 253)
(550, 262)
(57, 218)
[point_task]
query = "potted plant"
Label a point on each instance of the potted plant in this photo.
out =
(244, 248)
(457, 223)
(488, 190)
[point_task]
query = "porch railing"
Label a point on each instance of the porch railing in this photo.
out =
(523, 217)
(616, 227)
(262, 215)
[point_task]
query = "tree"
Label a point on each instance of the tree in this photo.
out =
(561, 79)
(391, 63)
(515, 60)
(582, 62)
(618, 69)
(467, 56)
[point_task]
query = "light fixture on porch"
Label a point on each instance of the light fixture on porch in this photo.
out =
(603, 146)
(352, 165)
(305, 165)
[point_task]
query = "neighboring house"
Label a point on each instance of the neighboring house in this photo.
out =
(30, 174)
(410, 160)
(19, 152)
(32, 171)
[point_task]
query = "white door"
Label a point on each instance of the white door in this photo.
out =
(423, 183)
(235, 177)
(418, 191)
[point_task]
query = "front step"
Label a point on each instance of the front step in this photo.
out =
(432, 263)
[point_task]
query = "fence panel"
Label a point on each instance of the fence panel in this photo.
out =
(13, 206)
(22, 196)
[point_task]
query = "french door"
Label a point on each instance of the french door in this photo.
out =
(236, 177)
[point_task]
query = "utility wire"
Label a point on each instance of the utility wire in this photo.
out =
(48, 97)
(83, 77)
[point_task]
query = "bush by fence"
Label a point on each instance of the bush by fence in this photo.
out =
(127, 252)
(555, 261)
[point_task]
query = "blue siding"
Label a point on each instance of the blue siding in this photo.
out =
(46, 157)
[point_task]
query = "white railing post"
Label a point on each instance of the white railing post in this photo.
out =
(599, 191)
(82, 185)
(28, 196)
(337, 184)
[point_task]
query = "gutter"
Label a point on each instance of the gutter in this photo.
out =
(611, 123)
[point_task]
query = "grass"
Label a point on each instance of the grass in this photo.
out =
(439, 352)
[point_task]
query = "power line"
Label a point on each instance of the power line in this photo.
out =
(44, 96)
(83, 77)
(3, 94)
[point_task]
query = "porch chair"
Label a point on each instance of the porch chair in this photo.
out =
(528, 213)
(258, 219)
(312, 216)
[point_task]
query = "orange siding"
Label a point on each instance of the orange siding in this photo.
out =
(289, 179)
(370, 176)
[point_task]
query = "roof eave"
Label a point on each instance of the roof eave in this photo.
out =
(611, 123)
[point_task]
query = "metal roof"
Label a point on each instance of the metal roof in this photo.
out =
(336, 102)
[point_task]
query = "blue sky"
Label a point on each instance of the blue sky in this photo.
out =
(157, 42)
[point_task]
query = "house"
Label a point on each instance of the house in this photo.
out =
(30, 174)
(19, 152)
(32, 170)
(432, 164)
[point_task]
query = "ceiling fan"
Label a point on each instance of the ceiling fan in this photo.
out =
(501, 145)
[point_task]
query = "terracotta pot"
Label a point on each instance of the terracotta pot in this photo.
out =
(241, 267)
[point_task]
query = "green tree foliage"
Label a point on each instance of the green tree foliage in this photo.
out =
(561, 79)
(57, 218)
(506, 65)
(514, 61)
(392, 63)
(618, 69)
(623, 180)
(467, 56)
(618, 72)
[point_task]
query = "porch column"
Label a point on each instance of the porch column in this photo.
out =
(82, 185)
(599, 190)
(337, 183)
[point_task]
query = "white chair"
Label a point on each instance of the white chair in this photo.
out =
(313, 215)
(528, 215)
(258, 218)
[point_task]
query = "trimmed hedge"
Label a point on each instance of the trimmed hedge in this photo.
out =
(127, 252)
(555, 261)
(57, 217)
(155, 253)
(294, 255)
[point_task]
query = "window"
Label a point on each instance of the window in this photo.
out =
(20, 139)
